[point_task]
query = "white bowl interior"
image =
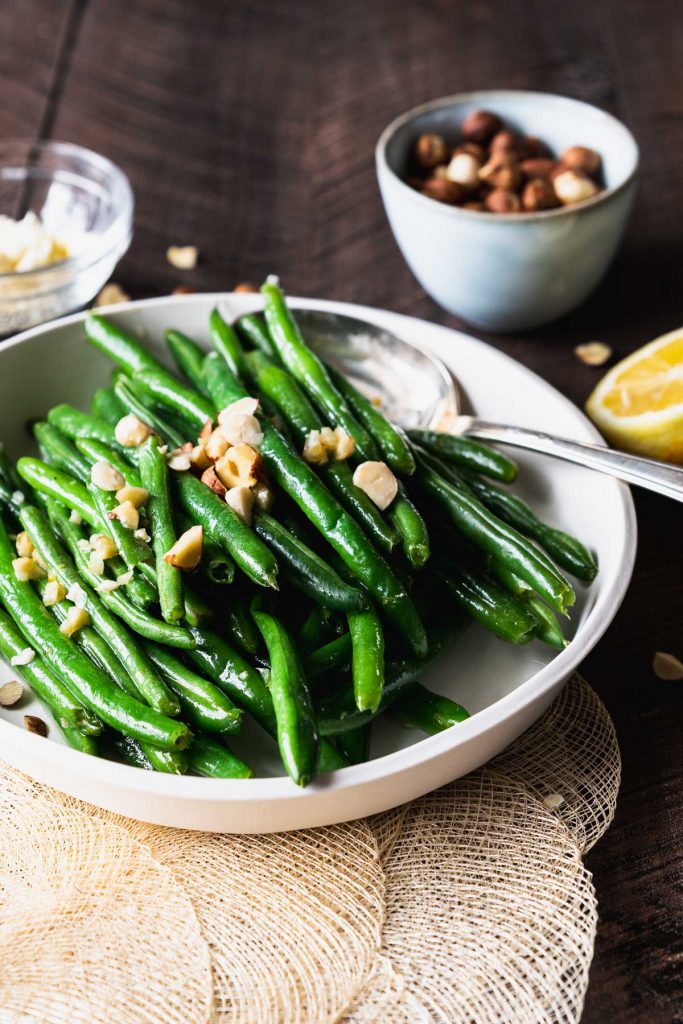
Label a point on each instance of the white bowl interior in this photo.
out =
(501, 685)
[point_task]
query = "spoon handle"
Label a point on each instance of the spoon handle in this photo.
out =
(632, 469)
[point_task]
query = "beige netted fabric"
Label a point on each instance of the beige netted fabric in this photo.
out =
(470, 904)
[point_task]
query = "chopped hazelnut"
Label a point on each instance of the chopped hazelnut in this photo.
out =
(11, 693)
(186, 553)
(106, 477)
(314, 450)
(581, 158)
(430, 150)
(216, 445)
(241, 500)
(239, 466)
(199, 458)
(130, 431)
(76, 618)
(24, 545)
(501, 171)
(539, 194)
(127, 515)
(103, 544)
(464, 170)
(36, 725)
(138, 496)
(573, 187)
(27, 569)
(53, 593)
(210, 479)
(111, 295)
(377, 481)
(182, 257)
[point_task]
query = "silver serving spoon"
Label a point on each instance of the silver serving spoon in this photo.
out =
(418, 391)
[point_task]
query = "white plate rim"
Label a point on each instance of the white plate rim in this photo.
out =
(423, 751)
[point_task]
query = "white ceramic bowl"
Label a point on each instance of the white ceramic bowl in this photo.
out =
(508, 273)
(505, 688)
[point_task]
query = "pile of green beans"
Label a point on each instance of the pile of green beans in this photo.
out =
(315, 614)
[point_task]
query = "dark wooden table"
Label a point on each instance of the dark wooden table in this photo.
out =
(247, 128)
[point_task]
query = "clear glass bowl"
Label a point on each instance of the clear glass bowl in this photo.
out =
(81, 197)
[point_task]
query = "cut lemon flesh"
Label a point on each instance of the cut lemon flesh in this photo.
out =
(638, 404)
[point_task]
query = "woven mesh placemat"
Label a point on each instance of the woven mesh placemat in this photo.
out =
(470, 904)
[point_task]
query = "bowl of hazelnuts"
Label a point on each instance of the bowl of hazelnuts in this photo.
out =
(508, 206)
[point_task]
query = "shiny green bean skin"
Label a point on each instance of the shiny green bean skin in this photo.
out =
(317, 630)
(105, 406)
(225, 528)
(430, 712)
(297, 731)
(241, 630)
(48, 687)
(149, 758)
(95, 451)
(217, 660)
(226, 343)
(12, 500)
(178, 398)
(463, 451)
(62, 487)
(129, 396)
(367, 658)
(154, 475)
(340, 530)
(412, 529)
(205, 705)
(564, 549)
(490, 606)
(334, 656)
(547, 628)
(61, 452)
(187, 355)
(87, 682)
(75, 423)
(355, 743)
(8, 472)
(132, 550)
(310, 371)
(214, 760)
(78, 740)
(391, 441)
(252, 329)
(307, 571)
(218, 565)
(147, 684)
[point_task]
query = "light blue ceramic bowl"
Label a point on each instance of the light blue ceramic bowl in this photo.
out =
(508, 273)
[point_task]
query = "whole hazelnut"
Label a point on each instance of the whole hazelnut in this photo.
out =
(464, 168)
(473, 149)
(532, 147)
(580, 158)
(573, 187)
(480, 126)
(505, 142)
(443, 190)
(537, 167)
(430, 150)
(539, 194)
(502, 200)
(501, 171)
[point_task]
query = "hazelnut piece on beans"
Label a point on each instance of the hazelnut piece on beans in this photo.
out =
(573, 187)
(430, 150)
(580, 158)
(539, 194)
(480, 126)
(502, 200)
(501, 171)
(443, 190)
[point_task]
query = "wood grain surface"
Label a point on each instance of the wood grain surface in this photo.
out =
(247, 128)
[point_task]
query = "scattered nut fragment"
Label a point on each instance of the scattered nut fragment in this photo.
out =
(539, 194)
(127, 515)
(77, 595)
(111, 295)
(205, 433)
(430, 150)
(667, 666)
(11, 693)
(241, 428)
(464, 169)
(263, 496)
(480, 126)
(186, 553)
(377, 481)
(53, 593)
(210, 479)
(501, 171)
(125, 578)
(76, 618)
(443, 190)
(239, 466)
(344, 444)
(137, 495)
(27, 569)
(142, 535)
(573, 187)
(593, 353)
(502, 200)
(243, 406)
(245, 286)
(131, 432)
(182, 257)
(103, 544)
(199, 458)
(96, 564)
(314, 450)
(106, 477)
(553, 800)
(24, 545)
(581, 158)
(24, 657)
(75, 517)
(107, 586)
(241, 500)
(36, 725)
(216, 445)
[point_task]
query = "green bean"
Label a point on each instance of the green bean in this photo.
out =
(196, 608)
(297, 732)
(367, 659)
(334, 656)
(146, 681)
(494, 609)
(8, 472)
(11, 501)
(316, 630)
(176, 397)
(78, 740)
(548, 629)
(310, 371)
(225, 528)
(217, 660)
(188, 356)
(144, 755)
(430, 712)
(412, 529)
(226, 343)
(60, 450)
(87, 682)
(75, 423)
(48, 687)
(341, 531)
(484, 530)
(129, 396)
(154, 474)
(390, 439)
(138, 620)
(204, 704)
(355, 743)
(214, 760)
(566, 550)
(307, 571)
(218, 565)
(106, 406)
(241, 630)
(463, 451)
(133, 551)
(62, 487)
(96, 451)
(253, 329)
